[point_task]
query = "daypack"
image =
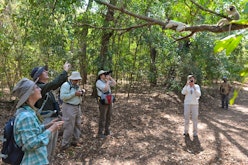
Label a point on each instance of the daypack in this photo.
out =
(11, 153)
(106, 99)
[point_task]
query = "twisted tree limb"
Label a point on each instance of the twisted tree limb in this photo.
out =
(194, 29)
(191, 29)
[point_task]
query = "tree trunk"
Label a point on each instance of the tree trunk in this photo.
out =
(107, 34)
(83, 57)
(153, 68)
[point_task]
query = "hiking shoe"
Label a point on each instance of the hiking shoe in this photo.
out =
(65, 147)
(107, 133)
(74, 144)
(185, 134)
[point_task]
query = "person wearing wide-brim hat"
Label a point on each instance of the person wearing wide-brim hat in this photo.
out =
(103, 86)
(71, 94)
(50, 106)
(28, 132)
(192, 94)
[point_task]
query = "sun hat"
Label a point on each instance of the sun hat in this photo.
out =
(189, 76)
(23, 90)
(101, 72)
(75, 75)
(37, 71)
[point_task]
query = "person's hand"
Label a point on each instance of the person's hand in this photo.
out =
(187, 83)
(67, 66)
(78, 93)
(107, 77)
(56, 126)
(55, 120)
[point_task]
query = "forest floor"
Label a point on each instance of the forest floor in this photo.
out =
(147, 129)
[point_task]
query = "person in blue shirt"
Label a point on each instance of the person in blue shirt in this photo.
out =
(71, 94)
(29, 133)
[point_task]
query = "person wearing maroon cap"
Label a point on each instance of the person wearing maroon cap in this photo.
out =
(48, 104)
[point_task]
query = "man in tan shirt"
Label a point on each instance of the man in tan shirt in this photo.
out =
(225, 89)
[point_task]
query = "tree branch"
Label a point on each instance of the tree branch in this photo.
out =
(182, 38)
(209, 11)
(192, 29)
(119, 29)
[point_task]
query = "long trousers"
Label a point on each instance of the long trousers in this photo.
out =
(72, 123)
(104, 118)
(52, 140)
(191, 109)
(224, 101)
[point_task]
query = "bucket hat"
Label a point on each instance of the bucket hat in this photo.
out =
(23, 90)
(75, 75)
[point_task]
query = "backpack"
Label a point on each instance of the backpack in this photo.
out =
(11, 153)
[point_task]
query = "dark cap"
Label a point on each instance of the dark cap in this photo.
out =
(37, 71)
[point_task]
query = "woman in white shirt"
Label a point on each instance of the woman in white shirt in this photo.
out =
(192, 94)
(103, 86)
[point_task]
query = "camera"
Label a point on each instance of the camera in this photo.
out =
(108, 72)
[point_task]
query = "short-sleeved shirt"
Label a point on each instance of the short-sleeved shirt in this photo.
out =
(32, 136)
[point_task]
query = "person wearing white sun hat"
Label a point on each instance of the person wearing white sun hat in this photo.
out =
(71, 94)
(103, 86)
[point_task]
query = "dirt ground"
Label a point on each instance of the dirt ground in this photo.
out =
(147, 129)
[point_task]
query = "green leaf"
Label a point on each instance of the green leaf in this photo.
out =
(241, 21)
(246, 9)
(235, 95)
(220, 45)
(229, 44)
(234, 43)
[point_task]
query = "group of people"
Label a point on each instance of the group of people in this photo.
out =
(192, 94)
(39, 117)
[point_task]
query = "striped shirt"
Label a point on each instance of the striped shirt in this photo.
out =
(32, 136)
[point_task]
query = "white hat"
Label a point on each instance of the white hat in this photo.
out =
(101, 72)
(23, 90)
(75, 75)
(189, 76)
